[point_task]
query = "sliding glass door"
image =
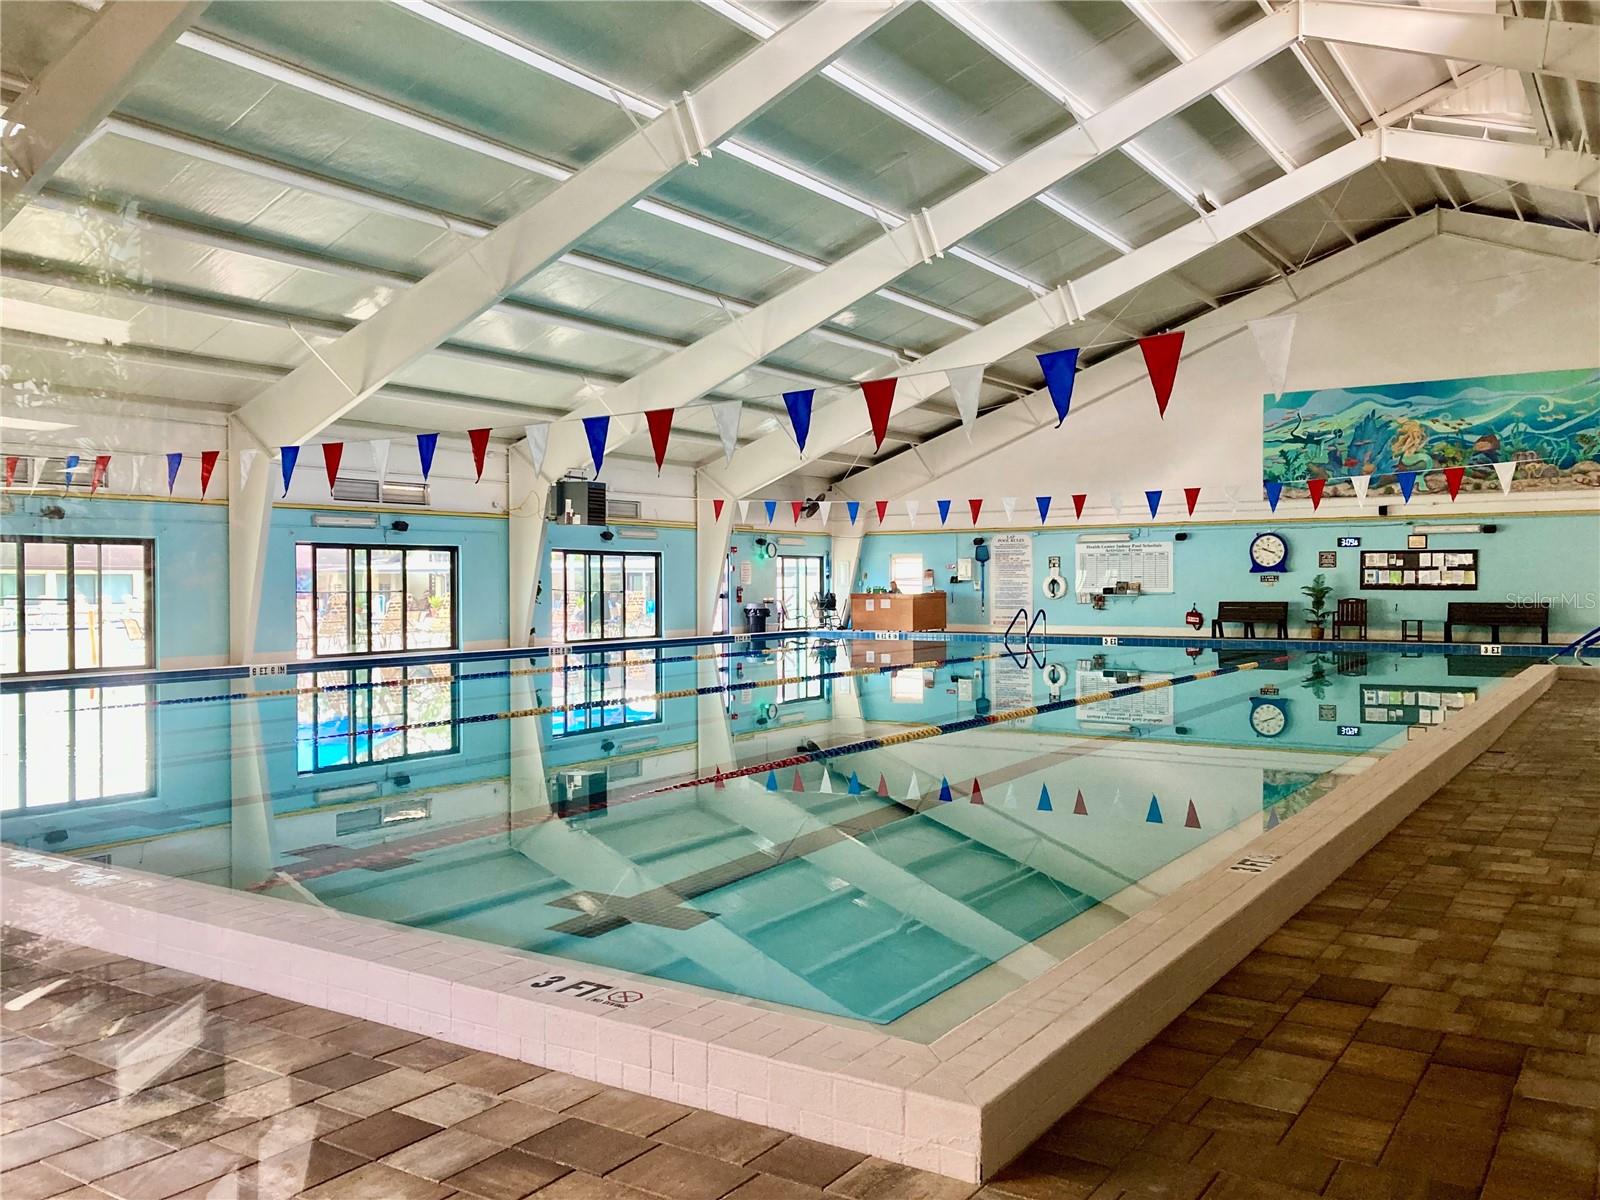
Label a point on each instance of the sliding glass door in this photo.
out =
(596, 595)
(799, 585)
(75, 604)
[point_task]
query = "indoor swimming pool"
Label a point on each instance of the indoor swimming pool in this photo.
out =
(893, 832)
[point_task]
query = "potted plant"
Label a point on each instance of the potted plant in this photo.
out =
(1317, 614)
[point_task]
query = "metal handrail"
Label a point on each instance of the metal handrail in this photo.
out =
(1576, 647)
(1021, 615)
(1038, 619)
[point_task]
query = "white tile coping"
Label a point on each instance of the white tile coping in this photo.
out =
(963, 1105)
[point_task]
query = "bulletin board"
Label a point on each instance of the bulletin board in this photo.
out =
(1419, 570)
(1100, 566)
(1153, 707)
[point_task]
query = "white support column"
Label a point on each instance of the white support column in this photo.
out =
(78, 90)
(526, 495)
(249, 523)
(711, 535)
(845, 555)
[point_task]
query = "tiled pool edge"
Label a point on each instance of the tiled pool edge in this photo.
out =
(963, 1106)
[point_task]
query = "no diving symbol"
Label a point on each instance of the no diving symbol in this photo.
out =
(625, 997)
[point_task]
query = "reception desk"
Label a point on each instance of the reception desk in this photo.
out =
(897, 611)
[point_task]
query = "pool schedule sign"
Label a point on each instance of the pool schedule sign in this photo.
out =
(1013, 574)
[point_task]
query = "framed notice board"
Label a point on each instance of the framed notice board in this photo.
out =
(1419, 570)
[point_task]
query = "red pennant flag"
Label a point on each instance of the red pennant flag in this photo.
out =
(1079, 807)
(1315, 486)
(799, 785)
(11, 468)
(1453, 477)
(1191, 497)
(1161, 353)
(1077, 504)
(977, 507)
(883, 509)
(880, 399)
(101, 463)
(716, 508)
(480, 446)
(717, 782)
(660, 421)
(797, 507)
(208, 464)
(883, 787)
(332, 455)
(1192, 821)
(977, 793)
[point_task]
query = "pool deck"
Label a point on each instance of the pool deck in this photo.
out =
(1427, 1026)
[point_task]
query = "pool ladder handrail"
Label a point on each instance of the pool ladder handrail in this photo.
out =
(1021, 657)
(1576, 647)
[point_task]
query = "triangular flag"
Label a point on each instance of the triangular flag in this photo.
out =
(717, 781)
(855, 788)
(1079, 499)
(538, 435)
(1153, 814)
(1504, 471)
(427, 443)
(380, 460)
(717, 504)
(1452, 478)
(1315, 487)
(772, 509)
(1044, 799)
(70, 465)
(596, 429)
(1154, 500)
(480, 446)
(879, 394)
(1407, 481)
(660, 423)
(966, 383)
(913, 507)
(101, 463)
(287, 457)
(824, 508)
(1191, 497)
(332, 455)
(744, 512)
(976, 797)
(799, 406)
(247, 460)
(797, 784)
(1044, 508)
(1274, 493)
(726, 415)
(944, 510)
(1274, 335)
(1232, 492)
(11, 468)
(1192, 819)
(853, 507)
(883, 787)
(1009, 503)
(1060, 367)
(772, 781)
(825, 784)
(975, 507)
(913, 790)
(174, 462)
(1079, 808)
(1359, 484)
(883, 509)
(1272, 818)
(797, 507)
(944, 791)
(36, 468)
(1161, 353)
(1009, 800)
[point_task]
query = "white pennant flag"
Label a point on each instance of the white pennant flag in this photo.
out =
(1360, 482)
(913, 792)
(826, 786)
(824, 507)
(912, 508)
(1009, 800)
(1274, 336)
(1009, 503)
(538, 435)
(247, 460)
(1232, 493)
(36, 468)
(965, 384)
(1504, 471)
(744, 511)
(380, 458)
(726, 414)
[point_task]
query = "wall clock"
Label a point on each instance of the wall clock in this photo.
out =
(1269, 717)
(1269, 554)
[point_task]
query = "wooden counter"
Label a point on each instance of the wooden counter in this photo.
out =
(897, 611)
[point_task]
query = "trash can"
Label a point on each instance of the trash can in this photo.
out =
(755, 616)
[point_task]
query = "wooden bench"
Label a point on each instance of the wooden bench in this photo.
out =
(1524, 616)
(1248, 612)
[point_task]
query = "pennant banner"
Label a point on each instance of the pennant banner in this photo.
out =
(380, 461)
(1154, 500)
(247, 461)
(480, 447)
(102, 463)
(1504, 471)
(1316, 488)
(966, 385)
(883, 509)
(824, 509)
(853, 507)
(772, 509)
(944, 510)
(208, 463)
(1452, 478)
(1009, 503)
(879, 394)
(11, 468)
(1060, 367)
(427, 443)
(1191, 497)
(744, 512)
(1161, 352)
(913, 507)
(70, 466)
(660, 422)
(716, 508)
(1274, 494)
(287, 457)
(975, 507)
(1044, 508)
(596, 429)
(1359, 484)
(174, 461)
(1407, 481)
(726, 413)
(1273, 337)
(332, 456)
(1079, 499)
(799, 406)
(797, 507)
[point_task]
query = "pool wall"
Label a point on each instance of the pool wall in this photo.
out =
(962, 1105)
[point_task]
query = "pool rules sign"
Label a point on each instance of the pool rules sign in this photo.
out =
(1013, 575)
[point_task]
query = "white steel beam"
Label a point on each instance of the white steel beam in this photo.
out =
(356, 365)
(74, 94)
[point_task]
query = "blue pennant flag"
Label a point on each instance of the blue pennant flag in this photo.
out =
(772, 509)
(772, 781)
(1155, 501)
(1274, 491)
(174, 461)
(944, 510)
(1272, 818)
(853, 507)
(799, 406)
(596, 429)
(944, 791)
(71, 466)
(1153, 816)
(1044, 508)
(855, 784)
(427, 443)
(1044, 799)
(289, 455)
(1059, 367)
(1407, 480)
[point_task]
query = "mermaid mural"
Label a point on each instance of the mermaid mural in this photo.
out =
(1547, 421)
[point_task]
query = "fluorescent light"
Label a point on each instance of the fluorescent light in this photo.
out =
(637, 535)
(342, 521)
(1447, 528)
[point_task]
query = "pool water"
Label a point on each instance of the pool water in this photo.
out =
(886, 831)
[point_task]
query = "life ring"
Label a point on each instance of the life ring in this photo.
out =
(1055, 675)
(1055, 584)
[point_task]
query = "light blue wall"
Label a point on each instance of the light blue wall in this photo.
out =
(764, 571)
(1555, 557)
(675, 545)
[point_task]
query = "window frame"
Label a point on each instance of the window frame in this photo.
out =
(561, 554)
(350, 548)
(21, 540)
(802, 621)
(351, 688)
(20, 783)
(594, 698)
(916, 590)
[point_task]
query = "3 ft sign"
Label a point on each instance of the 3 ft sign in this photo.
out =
(587, 989)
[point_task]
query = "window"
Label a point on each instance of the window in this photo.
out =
(796, 663)
(606, 691)
(75, 604)
(77, 745)
(597, 595)
(377, 715)
(905, 570)
(373, 599)
(799, 586)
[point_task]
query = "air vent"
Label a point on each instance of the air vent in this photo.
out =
(623, 510)
(381, 816)
(625, 769)
(366, 491)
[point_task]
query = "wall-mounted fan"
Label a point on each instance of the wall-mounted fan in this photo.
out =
(811, 506)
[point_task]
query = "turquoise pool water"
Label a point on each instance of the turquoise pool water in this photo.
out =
(852, 827)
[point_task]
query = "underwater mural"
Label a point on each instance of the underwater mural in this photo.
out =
(1546, 421)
